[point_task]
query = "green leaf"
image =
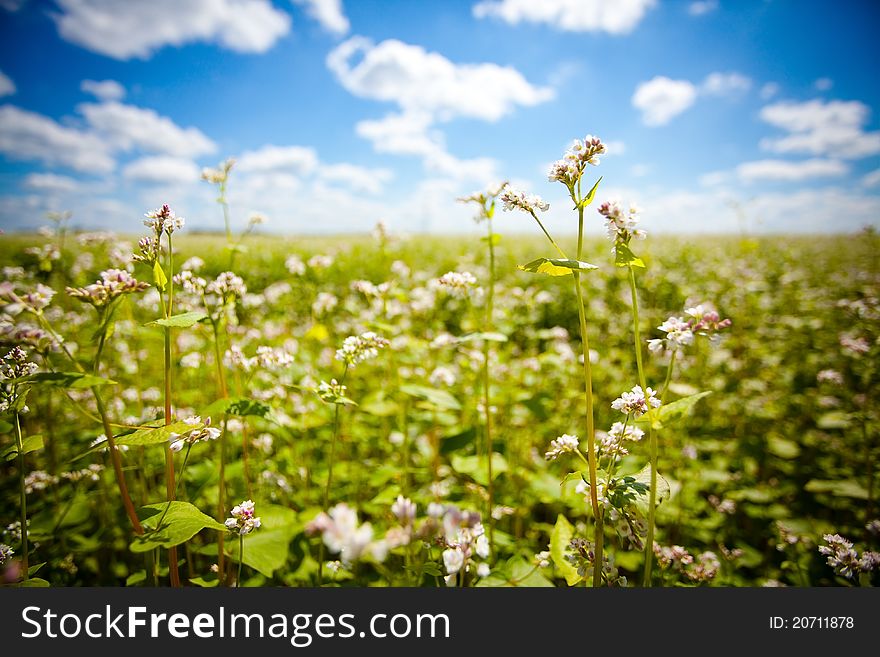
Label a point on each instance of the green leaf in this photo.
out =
(207, 582)
(623, 257)
(838, 488)
(156, 436)
(475, 466)
(672, 412)
(556, 266)
(159, 277)
(75, 380)
(34, 582)
(376, 403)
(35, 568)
(834, 420)
(453, 443)
(559, 539)
(643, 476)
(266, 548)
(28, 445)
(136, 577)
(181, 523)
(783, 448)
(495, 239)
(238, 406)
(434, 396)
(184, 320)
(590, 195)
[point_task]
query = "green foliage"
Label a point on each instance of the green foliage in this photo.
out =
(559, 539)
(28, 444)
(181, 523)
(183, 320)
(556, 266)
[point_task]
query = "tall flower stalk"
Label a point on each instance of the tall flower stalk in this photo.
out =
(220, 177)
(486, 203)
(569, 171)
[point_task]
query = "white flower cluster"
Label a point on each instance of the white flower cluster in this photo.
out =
(228, 286)
(343, 535)
(13, 365)
(38, 480)
(844, 559)
(619, 224)
(564, 444)
(637, 402)
(612, 445)
(515, 199)
(92, 473)
(568, 170)
(201, 431)
(5, 552)
(466, 541)
(189, 282)
(295, 265)
(243, 520)
(332, 393)
(34, 301)
(112, 284)
(219, 175)
(163, 220)
(358, 348)
(680, 331)
(458, 283)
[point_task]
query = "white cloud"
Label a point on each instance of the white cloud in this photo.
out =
(871, 179)
(27, 135)
(361, 179)
(419, 80)
(103, 90)
(328, 13)
(403, 134)
(7, 86)
(49, 182)
(162, 169)
(123, 29)
(823, 84)
(769, 90)
(618, 17)
(296, 160)
(127, 127)
(790, 171)
(725, 84)
(661, 99)
(817, 127)
(702, 7)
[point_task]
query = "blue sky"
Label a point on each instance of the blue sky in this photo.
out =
(719, 114)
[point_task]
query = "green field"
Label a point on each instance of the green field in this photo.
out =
(750, 476)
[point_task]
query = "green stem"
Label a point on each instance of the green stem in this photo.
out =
(170, 486)
(668, 378)
(326, 502)
(599, 534)
(486, 383)
(23, 498)
(652, 436)
(240, 559)
(552, 241)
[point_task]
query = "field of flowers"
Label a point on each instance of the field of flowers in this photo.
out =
(389, 410)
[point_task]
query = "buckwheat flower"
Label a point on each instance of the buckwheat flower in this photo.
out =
(869, 561)
(458, 283)
(295, 265)
(324, 303)
(621, 431)
(483, 570)
(201, 431)
(706, 321)
(331, 393)
(320, 261)
(678, 334)
(856, 345)
(39, 298)
(195, 263)
(163, 220)
(485, 200)
(220, 175)
(189, 282)
(150, 248)
(112, 284)
(514, 199)
(453, 560)
(637, 402)
(830, 376)
(38, 480)
(5, 553)
(727, 507)
(442, 376)
(404, 510)
(256, 219)
(243, 520)
(542, 559)
(228, 286)
(343, 535)
(92, 473)
(436, 510)
(358, 348)
(841, 555)
(621, 224)
(271, 358)
(564, 444)
(705, 567)
(873, 527)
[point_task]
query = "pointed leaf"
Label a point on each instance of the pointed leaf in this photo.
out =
(556, 266)
(77, 380)
(238, 406)
(672, 412)
(159, 276)
(439, 398)
(156, 435)
(28, 445)
(591, 194)
(181, 523)
(183, 320)
(623, 257)
(559, 539)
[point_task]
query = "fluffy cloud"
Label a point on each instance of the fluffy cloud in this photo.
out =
(103, 90)
(122, 29)
(871, 179)
(769, 90)
(26, 135)
(790, 171)
(297, 160)
(725, 84)
(328, 13)
(662, 99)
(823, 84)
(702, 7)
(357, 178)
(424, 81)
(49, 182)
(619, 17)
(816, 127)
(162, 169)
(127, 127)
(7, 86)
